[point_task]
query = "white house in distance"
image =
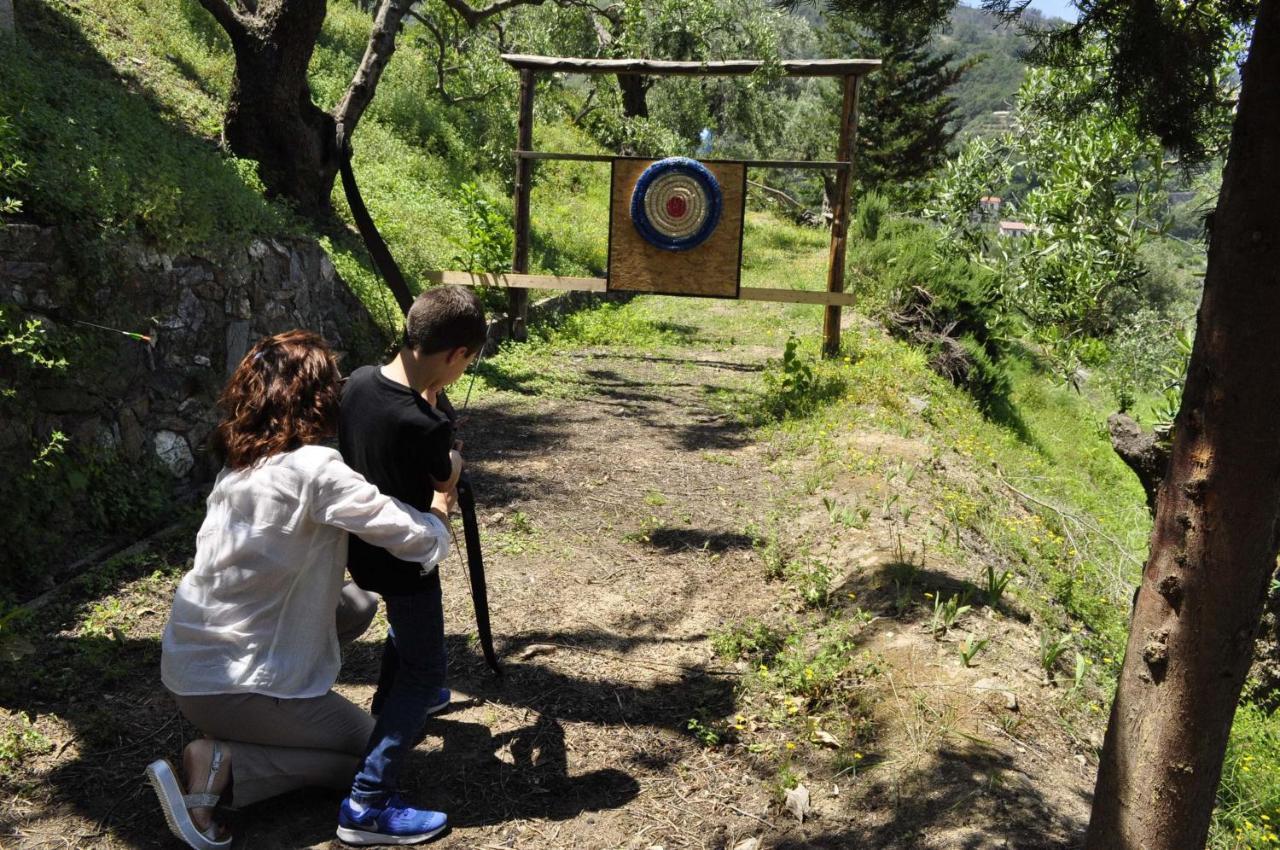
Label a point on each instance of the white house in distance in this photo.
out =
(1016, 229)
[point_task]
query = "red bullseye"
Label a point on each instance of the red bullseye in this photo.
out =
(677, 206)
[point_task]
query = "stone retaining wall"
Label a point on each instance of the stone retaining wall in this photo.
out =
(202, 313)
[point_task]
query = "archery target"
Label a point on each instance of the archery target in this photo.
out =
(675, 226)
(676, 204)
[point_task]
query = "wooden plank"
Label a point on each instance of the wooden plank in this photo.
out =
(518, 281)
(840, 215)
(518, 299)
(712, 269)
(600, 284)
(796, 296)
(749, 163)
(731, 67)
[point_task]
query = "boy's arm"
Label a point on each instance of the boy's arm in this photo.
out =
(455, 472)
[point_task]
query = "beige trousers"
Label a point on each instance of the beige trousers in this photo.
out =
(277, 745)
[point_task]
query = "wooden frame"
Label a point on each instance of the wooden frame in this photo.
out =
(520, 282)
(850, 71)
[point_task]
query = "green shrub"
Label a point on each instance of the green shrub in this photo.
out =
(796, 385)
(872, 210)
(951, 307)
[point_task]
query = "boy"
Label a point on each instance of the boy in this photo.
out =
(390, 430)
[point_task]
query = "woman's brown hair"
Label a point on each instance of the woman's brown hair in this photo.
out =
(283, 395)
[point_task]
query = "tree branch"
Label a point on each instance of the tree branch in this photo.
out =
(442, 47)
(382, 43)
(235, 23)
(474, 16)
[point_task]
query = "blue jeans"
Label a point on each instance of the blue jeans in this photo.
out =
(413, 672)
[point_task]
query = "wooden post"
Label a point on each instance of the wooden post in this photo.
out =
(6, 16)
(840, 213)
(518, 299)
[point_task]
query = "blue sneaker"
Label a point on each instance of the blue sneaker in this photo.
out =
(391, 823)
(441, 703)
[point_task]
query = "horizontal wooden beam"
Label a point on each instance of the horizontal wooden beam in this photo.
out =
(519, 281)
(797, 296)
(749, 163)
(718, 68)
(600, 284)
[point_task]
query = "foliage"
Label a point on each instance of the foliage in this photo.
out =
(12, 168)
(970, 649)
(951, 307)
(1248, 813)
(994, 585)
(59, 483)
(907, 116)
(489, 239)
(946, 613)
(95, 153)
(749, 639)
(796, 385)
(1052, 647)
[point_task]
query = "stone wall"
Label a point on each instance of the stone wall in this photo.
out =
(202, 312)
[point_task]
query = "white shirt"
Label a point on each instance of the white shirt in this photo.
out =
(256, 612)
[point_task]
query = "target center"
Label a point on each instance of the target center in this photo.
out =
(677, 206)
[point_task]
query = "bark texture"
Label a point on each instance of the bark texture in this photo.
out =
(270, 116)
(1213, 546)
(1145, 452)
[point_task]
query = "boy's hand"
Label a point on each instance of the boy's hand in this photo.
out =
(442, 504)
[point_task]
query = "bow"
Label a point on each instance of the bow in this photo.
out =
(386, 266)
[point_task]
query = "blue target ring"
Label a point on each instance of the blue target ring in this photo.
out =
(676, 204)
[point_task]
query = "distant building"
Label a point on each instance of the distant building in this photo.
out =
(1016, 229)
(990, 205)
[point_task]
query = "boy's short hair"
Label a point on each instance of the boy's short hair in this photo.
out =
(443, 318)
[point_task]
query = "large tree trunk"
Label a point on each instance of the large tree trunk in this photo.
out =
(270, 117)
(1213, 547)
(635, 90)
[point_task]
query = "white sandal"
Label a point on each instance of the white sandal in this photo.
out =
(177, 805)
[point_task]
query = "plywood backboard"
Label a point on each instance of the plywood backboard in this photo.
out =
(712, 269)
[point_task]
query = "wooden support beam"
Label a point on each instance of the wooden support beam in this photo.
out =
(519, 281)
(518, 299)
(795, 296)
(749, 163)
(599, 284)
(720, 68)
(840, 214)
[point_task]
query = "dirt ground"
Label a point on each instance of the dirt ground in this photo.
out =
(617, 529)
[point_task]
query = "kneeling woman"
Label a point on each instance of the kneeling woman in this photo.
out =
(251, 649)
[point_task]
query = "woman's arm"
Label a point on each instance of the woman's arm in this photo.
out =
(342, 497)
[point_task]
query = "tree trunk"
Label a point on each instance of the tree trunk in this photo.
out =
(1213, 546)
(635, 88)
(270, 115)
(6, 16)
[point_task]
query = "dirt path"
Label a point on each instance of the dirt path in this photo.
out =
(620, 519)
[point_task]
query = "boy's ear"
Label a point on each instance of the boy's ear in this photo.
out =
(456, 354)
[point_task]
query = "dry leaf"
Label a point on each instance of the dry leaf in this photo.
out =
(748, 844)
(797, 802)
(535, 649)
(826, 738)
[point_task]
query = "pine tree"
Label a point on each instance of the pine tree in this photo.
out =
(907, 119)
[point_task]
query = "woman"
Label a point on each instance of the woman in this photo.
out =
(251, 649)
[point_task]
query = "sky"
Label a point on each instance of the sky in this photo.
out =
(1056, 9)
(1050, 8)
